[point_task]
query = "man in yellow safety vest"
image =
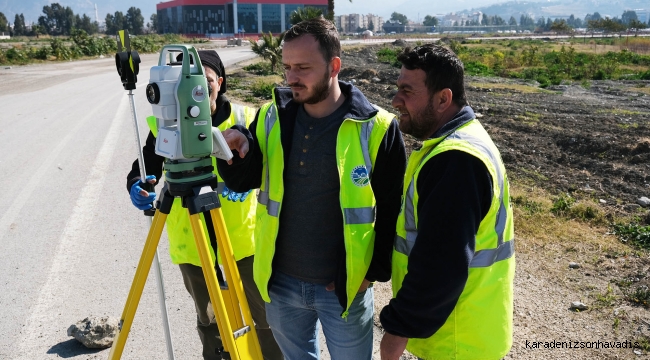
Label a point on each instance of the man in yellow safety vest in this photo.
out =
(239, 215)
(329, 166)
(453, 258)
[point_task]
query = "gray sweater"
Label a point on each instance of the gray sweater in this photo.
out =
(311, 231)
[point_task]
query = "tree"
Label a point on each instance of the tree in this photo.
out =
(636, 25)
(330, 10)
(84, 23)
(37, 30)
(485, 20)
(594, 17)
(3, 22)
(399, 17)
(116, 22)
(498, 20)
(304, 13)
(268, 47)
(134, 21)
(19, 25)
(371, 25)
(430, 21)
(560, 26)
(526, 20)
(512, 21)
(56, 19)
(154, 23)
(628, 16)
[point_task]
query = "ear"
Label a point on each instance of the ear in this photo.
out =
(219, 81)
(335, 66)
(444, 99)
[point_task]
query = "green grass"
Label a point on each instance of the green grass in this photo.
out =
(634, 234)
(262, 68)
(262, 88)
(607, 299)
(639, 296)
(389, 56)
(530, 207)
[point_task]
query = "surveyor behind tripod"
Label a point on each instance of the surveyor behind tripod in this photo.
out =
(239, 215)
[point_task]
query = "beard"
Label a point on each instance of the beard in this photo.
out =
(320, 91)
(420, 124)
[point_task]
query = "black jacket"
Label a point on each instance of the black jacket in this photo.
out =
(455, 193)
(387, 176)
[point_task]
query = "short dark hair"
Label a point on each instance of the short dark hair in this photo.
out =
(442, 66)
(323, 30)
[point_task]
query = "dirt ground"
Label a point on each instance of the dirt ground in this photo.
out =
(589, 139)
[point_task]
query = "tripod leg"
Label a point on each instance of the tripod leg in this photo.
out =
(226, 309)
(139, 280)
(236, 291)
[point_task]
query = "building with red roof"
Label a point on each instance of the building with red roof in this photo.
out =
(215, 17)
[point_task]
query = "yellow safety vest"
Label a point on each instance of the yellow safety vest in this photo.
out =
(480, 326)
(239, 216)
(357, 145)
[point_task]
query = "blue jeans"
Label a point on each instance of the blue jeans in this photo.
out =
(297, 310)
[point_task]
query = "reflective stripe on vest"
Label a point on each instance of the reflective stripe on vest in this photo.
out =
(482, 258)
(272, 207)
(364, 215)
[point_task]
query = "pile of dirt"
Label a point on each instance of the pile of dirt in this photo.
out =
(592, 137)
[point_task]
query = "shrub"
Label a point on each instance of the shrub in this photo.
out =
(635, 234)
(478, 68)
(389, 56)
(16, 56)
(59, 50)
(261, 68)
(528, 206)
(562, 204)
(640, 296)
(263, 89)
(585, 212)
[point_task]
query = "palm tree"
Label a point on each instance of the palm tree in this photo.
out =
(330, 10)
(268, 48)
(304, 13)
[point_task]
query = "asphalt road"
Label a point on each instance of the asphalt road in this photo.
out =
(70, 239)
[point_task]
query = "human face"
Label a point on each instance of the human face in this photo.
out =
(417, 115)
(306, 71)
(215, 82)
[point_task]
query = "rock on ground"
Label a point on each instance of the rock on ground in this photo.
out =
(95, 332)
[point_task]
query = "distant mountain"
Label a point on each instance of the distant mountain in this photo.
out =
(564, 8)
(32, 9)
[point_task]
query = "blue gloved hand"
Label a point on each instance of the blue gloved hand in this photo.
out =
(139, 200)
(234, 196)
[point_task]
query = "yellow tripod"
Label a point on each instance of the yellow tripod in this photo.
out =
(228, 299)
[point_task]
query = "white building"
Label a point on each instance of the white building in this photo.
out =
(352, 22)
(643, 15)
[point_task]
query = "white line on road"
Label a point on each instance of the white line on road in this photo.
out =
(39, 176)
(78, 226)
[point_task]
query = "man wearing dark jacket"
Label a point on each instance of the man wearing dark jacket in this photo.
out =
(330, 167)
(453, 258)
(238, 215)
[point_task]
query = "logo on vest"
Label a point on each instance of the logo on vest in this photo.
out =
(360, 176)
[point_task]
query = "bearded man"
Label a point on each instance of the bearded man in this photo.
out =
(330, 168)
